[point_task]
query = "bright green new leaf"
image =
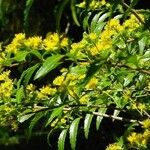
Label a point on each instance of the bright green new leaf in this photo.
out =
(20, 56)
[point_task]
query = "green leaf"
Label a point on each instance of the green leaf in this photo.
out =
(85, 21)
(99, 118)
(74, 15)
(132, 61)
(92, 70)
(73, 132)
(59, 14)
(22, 119)
(61, 139)
(128, 79)
(99, 27)
(26, 12)
(37, 117)
(20, 56)
(142, 44)
(26, 75)
(103, 17)
(29, 73)
(20, 94)
(36, 53)
(87, 123)
(48, 65)
(56, 112)
(94, 21)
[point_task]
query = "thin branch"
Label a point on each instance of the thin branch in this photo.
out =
(138, 69)
(115, 117)
(133, 11)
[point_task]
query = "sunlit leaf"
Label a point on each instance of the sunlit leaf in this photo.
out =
(73, 132)
(48, 65)
(87, 123)
(61, 139)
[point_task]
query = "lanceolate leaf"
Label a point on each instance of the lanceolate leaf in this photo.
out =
(29, 74)
(26, 75)
(94, 21)
(61, 139)
(26, 12)
(25, 117)
(20, 56)
(99, 118)
(49, 64)
(87, 123)
(19, 94)
(59, 14)
(74, 15)
(73, 133)
(56, 112)
(37, 117)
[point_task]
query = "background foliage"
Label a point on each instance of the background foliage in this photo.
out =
(73, 71)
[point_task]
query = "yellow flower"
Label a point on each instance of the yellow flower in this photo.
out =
(114, 26)
(84, 99)
(92, 84)
(94, 50)
(16, 44)
(132, 23)
(132, 138)
(77, 48)
(82, 5)
(6, 85)
(64, 42)
(59, 80)
(52, 42)
(34, 42)
(146, 124)
(92, 36)
(45, 92)
(114, 147)
(30, 87)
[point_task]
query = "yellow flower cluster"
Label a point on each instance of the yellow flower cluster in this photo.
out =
(146, 124)
(58, 81)
(112, 28)
(53, 42)
(94, 4)
(45, 92)
(34, 42)
(139, 139)
(84, 99)
(132, 23)
(92, 84)
(114, 146)
(139, 106)
(6, 116)
(16, 44)
(78, 48)
(6, 85)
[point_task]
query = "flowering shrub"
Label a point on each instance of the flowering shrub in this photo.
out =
(64, 82)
